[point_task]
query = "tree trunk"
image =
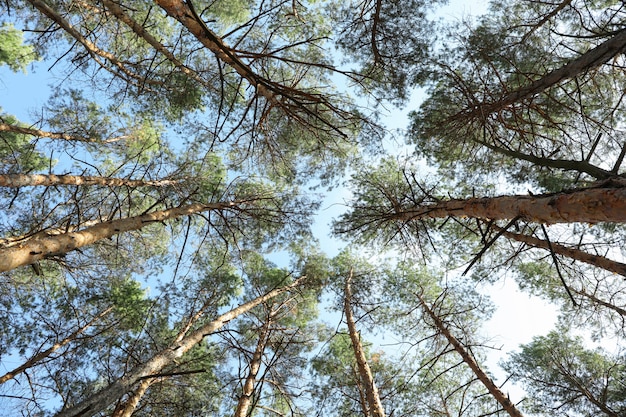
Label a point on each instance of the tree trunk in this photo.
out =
(587, 61)
(99, 401)
(5, 127)
(588, 205)
(504, 401)
(40, 247)
(572, 253)
(33, 180)
(243, 405)
(564, 164)
(141, 31)
(46, 353)
(371, 392)
(126, 408)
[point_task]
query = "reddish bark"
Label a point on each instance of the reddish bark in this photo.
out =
(589, 205)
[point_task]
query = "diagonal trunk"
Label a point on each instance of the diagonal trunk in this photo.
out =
(99, 401)
(141, 31)
(46, 353)
(371, 391)
(33, 180)
(243, 405)
(588, 205)
(126, 408)
(493, 389)
(93, 50)
(40, 247)
(584, 63)
(572, 253)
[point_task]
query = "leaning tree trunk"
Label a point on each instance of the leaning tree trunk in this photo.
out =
(99, 401)
(576, 254)
(33, 180)
(371, 392)
(46, 353)
(586, 62)
(43, 246)
(493, 389)
(243, 405)
(127, 408)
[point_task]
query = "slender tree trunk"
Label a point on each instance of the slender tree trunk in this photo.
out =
(371, 391)
(46, 353)
(243, 405)
(5, 127)
(589, 205)
(564, 164)
(493, 389)
(40, 247)
(587, 61)
(572, 253)
(126, 408)
(141, 31)
(99, 401)
(598, 301)
(93, 50)
(33, 180)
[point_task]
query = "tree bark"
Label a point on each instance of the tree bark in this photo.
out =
(5, 127)
(141, 31)
(33, 180)
(91, 48)
(371, 391)
(564, 164)
(46, 353)
(99, 401)
(588, 205)
(243, 405)
(126, 408)
(493, 389)
(587, 61)
(572, 253)
(40, 247)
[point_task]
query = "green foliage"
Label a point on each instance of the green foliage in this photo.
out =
(13, 52)
(562, 376)
(129, 301)
(17, 153)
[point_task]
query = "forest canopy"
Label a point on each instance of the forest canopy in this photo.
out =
(161, 251)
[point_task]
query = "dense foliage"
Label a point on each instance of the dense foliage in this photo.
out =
(160, 234)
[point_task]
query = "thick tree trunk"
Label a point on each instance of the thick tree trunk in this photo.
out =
(243, 405)
(33, 180)
(572, 253)
(99, 401)
(371, 391)
(493, 389)
(40, 247)
(46, 353)
(589, 205)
